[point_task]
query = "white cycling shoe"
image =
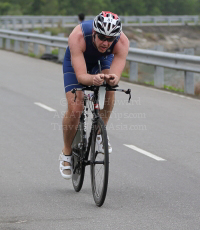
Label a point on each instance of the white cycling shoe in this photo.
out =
(65, 171)
(99, 144)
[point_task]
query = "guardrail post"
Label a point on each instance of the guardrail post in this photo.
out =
(169, 21)
(7, 43)
(6, 24)
(42, 21)
(133, 66)
(36, 46)
(14, 23)
(196, 21)
(1, 42)
(16, 46)
(33, 23)
(125, 20)
(23, 24)
(189, 76)
(140, 20)
(52, 22)
(61, 52)
(154, 21)
(159, 71)
(26, 45)
(63, 22)
(183, 21)
(48, 48)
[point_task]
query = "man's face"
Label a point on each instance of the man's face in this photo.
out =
(102, 42)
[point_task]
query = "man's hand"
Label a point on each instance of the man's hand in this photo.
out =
(111, 79)
(98, 79)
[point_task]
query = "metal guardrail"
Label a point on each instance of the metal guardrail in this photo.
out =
(32, 21)
(169, 60)
(53, 41)
(186, 63)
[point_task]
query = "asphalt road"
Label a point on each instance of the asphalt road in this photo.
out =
(144, 193)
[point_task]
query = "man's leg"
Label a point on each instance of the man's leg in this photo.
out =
(71, 120)
(108, 106)
(105, 115)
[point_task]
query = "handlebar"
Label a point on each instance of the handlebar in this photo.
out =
(96, 89)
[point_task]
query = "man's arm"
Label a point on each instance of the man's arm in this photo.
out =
(77, 47)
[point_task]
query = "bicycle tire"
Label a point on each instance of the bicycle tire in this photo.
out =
(99, 194)
(78, 178)
(78, 175)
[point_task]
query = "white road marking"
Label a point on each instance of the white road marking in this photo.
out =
(45, 107)
(145, 152)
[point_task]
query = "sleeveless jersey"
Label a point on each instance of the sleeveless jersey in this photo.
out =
(91, 54)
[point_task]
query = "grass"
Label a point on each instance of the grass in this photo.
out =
(149, 82)
(54, 31)
(124, 74)
(161, 36)
(12, 42)
(55, 52)
(168, 87)
(172, 88)
(31, 54)
(150, 36)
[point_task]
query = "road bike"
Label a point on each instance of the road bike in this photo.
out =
(85, 150)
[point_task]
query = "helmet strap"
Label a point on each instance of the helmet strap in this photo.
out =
(94, 37)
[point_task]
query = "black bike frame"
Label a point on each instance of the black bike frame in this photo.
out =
(86, 145)
(95, 113)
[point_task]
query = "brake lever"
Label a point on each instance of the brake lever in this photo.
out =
(128, 91)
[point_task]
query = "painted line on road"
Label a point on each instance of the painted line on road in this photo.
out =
(145, 152)
(45, 107)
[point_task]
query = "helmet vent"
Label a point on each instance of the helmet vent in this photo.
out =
(108, 24)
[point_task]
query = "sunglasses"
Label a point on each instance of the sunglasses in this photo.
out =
(103, 38)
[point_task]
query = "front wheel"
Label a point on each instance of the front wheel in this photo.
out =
(99, 161)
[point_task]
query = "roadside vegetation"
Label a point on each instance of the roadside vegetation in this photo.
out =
(90, 7)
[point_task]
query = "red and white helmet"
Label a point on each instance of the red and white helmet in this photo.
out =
(108, 24)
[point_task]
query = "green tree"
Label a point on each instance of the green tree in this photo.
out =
(167, 7)
(4, 8)
(7, 8)
(152, 7)
(49, 7)
(36, 5)
(93, 7)
(129, 7)
(186, 7)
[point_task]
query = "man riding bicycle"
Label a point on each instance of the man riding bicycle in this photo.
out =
(99, 39)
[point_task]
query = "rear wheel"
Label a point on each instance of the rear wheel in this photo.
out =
(78, 174)
(99, 164)
(77, 156)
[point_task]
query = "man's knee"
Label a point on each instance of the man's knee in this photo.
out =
(75, 108)
(75, 112)
(110, 98)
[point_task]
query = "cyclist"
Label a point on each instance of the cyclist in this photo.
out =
(81, 17)
(99, 39)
